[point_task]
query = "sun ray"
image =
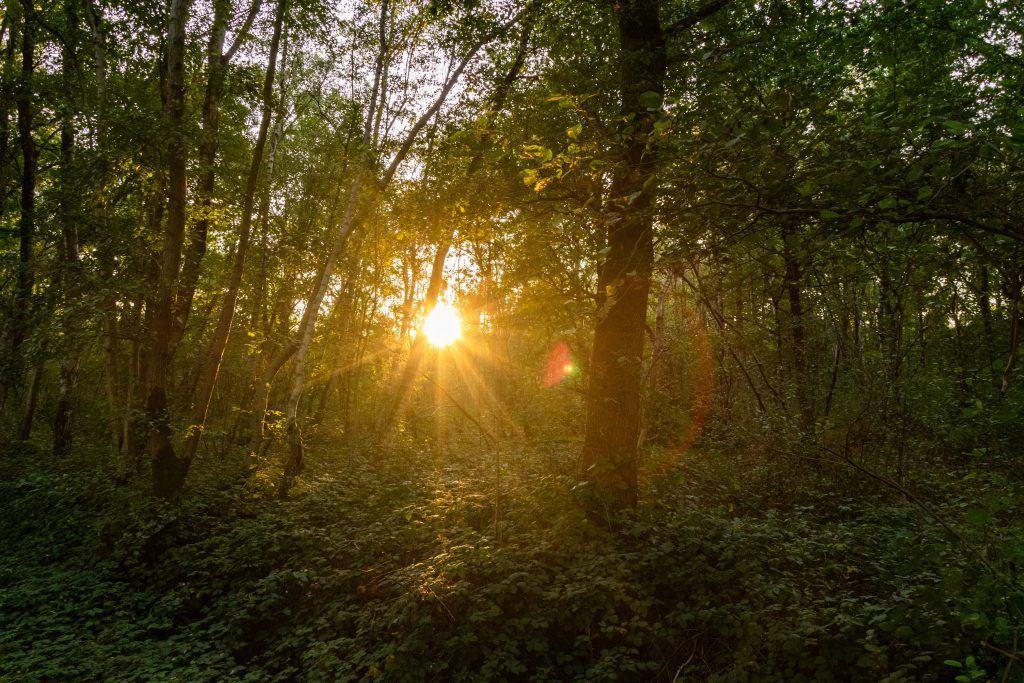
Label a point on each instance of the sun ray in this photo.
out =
(482, 390)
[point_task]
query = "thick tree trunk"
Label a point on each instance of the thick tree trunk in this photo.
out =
(168, 470)
(208, 378)
(608, 461)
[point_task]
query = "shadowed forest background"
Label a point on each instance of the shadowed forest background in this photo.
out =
(511, 340)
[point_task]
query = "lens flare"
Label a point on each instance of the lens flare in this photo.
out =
(442, 325)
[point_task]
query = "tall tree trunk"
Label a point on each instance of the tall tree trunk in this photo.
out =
(32, 397)
(8, 89)
(797, 331)
(69, 274)
(110, 331)
(293, 461)
(242, 430)
(208, 379)
(1013, 292)
(608, 461)
(659, 345)
(26, 223)
(217, 62)
(985, 308)
(168, 472)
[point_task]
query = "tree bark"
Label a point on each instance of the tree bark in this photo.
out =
(1013, 292)
(217, 62)
(168, 471)
(608, 461)
(293, 461)
(208, 379)
(26, 222)
(70, 273)
(32, 397)
(797, 331)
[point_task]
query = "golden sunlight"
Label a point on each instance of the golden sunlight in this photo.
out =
(442, 325)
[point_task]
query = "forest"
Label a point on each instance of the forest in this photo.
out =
(508, 340)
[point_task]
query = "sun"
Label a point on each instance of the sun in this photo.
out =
(442, 325)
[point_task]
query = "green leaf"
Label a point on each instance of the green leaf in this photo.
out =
(650, 100)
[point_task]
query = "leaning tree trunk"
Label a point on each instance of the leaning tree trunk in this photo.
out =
(168, 471)
(608, 461)
(293, 461)
(217, 61)
(208, 379)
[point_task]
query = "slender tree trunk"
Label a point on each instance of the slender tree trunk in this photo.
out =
(399, 395)
(1013, 288)
(293, 461)
(659, 346)
(32, 397)
(608, 461)
(217, 62)
(985, 308)
(797, 332)
(26, 223)
(242, 430)
(8, 96)
(206, 158)
(208, 379)
(168, 470)
(110, 333)
(403, 385)
(70, 272)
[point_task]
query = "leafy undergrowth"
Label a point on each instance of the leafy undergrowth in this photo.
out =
(394, 569)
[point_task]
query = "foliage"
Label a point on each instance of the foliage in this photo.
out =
(371, 574)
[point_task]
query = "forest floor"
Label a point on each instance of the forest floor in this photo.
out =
(396, 568)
